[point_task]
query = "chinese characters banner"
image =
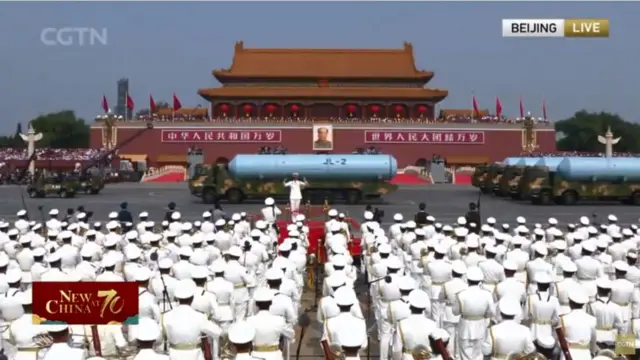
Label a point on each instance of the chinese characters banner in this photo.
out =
(425, 137)
(222, 135)
(91, 303)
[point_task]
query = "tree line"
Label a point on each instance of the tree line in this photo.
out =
(578, 133)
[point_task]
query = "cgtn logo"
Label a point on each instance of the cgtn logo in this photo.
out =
(555, 28)
(73, 36)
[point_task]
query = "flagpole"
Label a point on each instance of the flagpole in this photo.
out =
(473, 110)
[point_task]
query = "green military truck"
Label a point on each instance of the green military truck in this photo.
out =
(91, 185)
(508, 185)
(544, 187)
(492, 179)
(479, 175)
(65, 188)
(212, 183)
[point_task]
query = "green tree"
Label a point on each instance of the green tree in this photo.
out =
(582, 129)
(62, 130)
(159, 105)
(14, 141)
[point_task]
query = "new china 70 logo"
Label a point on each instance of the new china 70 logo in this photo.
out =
(86, 303)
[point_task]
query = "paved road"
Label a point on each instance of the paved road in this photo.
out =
(446, 202)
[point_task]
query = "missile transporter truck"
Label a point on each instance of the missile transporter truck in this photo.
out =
(349, 177)
(584, 179)
(512, 174)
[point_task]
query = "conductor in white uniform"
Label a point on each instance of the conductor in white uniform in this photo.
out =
(295, 196)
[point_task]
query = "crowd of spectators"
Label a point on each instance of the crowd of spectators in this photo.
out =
(268, 150)
(351, 120)
(371, 150)
(50, 154)
(577, 154)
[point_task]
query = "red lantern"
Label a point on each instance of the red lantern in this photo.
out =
(295, 108)
(271, 108)
(247, 108)
(224, 108)
(422, 109)
(351, 108)
(399, 108)
(375, 108)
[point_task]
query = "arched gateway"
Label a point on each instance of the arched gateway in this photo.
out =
(331, 100)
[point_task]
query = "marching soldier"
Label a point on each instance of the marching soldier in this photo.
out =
(542, 308)
(608, 314)
(24, 332)
(509, 336)
(450, 289)
(415, 329)
(147, 334)
(344, 320)
(241, 335)
(183, 327)
(475, 307)
(60, 349)
(579, 327)
(270, 329)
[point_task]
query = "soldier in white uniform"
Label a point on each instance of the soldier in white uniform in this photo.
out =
(609, 319)
(60, 348)
(579, 327)
(448, 295)
(23, 331)
(542, 308)
(564, 287)
(509, 336)
(414, 330)
(147, 334)
(624, 293)
(295, 195)
(510, 286)
(237, 274)
(476, 308)
(183, 327)
(344, 320)
(270, 329)
(436, 273)
(241, 335)
(270, 212)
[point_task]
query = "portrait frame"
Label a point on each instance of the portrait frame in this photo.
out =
(322, 137)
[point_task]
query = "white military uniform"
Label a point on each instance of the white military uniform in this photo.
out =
(269, 329)
(295, 196)
(59, 351)
(579, 328)
(508, 336)
(415, 329)
(148, 330)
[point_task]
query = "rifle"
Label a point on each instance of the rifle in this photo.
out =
(95, 339)
(304, 321)
(562, 340)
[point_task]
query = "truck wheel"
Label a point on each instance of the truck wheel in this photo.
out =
(635, 198)
(234, 196)
(352, 197)
(209, 197)
(569, 197)
(545, 198)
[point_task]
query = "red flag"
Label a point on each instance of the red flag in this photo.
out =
(544, 109)
(498, 107)
(130, 104)
(105, 104)
(476, 111)
(152, 104)
(521, 108)
(176, 103)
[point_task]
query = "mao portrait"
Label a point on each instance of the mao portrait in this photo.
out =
(323, 137)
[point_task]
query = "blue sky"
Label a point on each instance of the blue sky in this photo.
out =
(172, 47)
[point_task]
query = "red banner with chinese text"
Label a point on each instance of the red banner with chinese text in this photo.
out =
(88, 303)
(222, 135)
(424, 137)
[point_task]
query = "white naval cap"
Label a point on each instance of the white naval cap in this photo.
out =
(277, 274)
(603, 283)
(394, 263)
(578, 296)
(491, 220)
(460, 232)
(199, 272)
(336, 279)
(584, 220)
(418, 299)
(510, 265)
(612, 218)
(184, 289)
(108, 261)
(13, 276)
(113, 215)
(235, 251)
(220, 222)
(185, 251)
(25, 297)
(13, 232)
(398, 217)
(56, 327)
(165, 263)
(440, 334)
(552, 221)
(22, 213)
(384, 249)
(299, 217)
(143, 274)
(368, 215)
(218, 266)
(236, 217)
(541, 248)
(344, 296)
(176, 215)
(406, 283)
(459, 267)
(53, 257)
(474, 273)
(143, 214)
(461, 221)
(87, 252)
(241, 332)
(559, 245)
(546, 341)
(269, 201)
(542, 278)
(263, 294)
(147, 330)
(621, 266)
(509, 306)
(441, 249)
(285, 246)
(569, 266)
(39, 251)
(350, 339)
(187, 226)
(589, 246)
(54, 212)
(521, 220)
(333, 212)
